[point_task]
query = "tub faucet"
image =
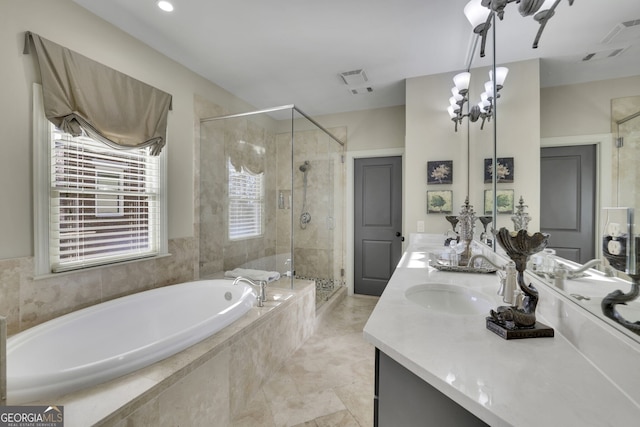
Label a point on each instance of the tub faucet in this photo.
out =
(260, 285)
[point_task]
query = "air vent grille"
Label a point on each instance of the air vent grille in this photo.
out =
(355, 78)
(361, 90)
(605, 54)
(628, 31)
(632, 23)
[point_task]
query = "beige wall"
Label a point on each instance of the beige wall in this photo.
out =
(83, 32)
(430, 136)
(373, 129)
(582, 109)
(25, 301)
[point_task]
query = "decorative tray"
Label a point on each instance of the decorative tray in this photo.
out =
(551, 276)
(484, 268)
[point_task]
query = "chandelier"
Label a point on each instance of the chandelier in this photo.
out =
(483, 109)
(481, 13)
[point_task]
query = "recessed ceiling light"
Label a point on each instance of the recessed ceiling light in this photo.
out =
(165, 5)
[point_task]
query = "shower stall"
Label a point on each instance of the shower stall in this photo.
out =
(271, 198)
(626, 129)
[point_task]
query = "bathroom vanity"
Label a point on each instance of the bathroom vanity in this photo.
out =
(437, 364)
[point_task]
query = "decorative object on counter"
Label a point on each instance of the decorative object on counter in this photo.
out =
(504, 201)
(620, 248)
(519, 321)
(543, 263)
(473, 268)
(440, 172)
(504, 171)
(454, 259)
(520, 218)
(453, 220)
(449, 259)
(484, 237)
(467, 219)
(616, 297)
(439, 201)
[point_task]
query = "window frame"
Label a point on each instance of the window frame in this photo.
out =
(260, 200)
(42, 140)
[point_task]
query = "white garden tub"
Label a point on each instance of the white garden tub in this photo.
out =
(102, 342)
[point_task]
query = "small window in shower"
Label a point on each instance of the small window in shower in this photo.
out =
(246, 203)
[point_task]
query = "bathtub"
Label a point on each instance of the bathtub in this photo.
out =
(111, 339)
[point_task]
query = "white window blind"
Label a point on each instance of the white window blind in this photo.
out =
(104, 203)
(246, 203)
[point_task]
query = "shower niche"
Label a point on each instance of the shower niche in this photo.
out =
(271, 197)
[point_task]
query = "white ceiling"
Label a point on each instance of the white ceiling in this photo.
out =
(278, 52)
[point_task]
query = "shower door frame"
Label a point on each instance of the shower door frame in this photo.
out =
(293, 109)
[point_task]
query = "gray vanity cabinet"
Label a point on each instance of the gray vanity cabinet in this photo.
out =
(402, 399)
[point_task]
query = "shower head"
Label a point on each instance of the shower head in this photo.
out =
(305, 166)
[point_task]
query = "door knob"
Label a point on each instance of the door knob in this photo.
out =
(399, 234)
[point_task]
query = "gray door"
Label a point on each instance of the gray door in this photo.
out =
(567, 200)
(377, 223)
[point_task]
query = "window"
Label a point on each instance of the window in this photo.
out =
(246, 203)
(98, 205)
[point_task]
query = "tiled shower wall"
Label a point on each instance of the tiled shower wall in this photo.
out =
(626, 179)
(217, 140)
(318, 248)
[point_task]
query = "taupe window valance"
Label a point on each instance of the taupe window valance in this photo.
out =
(246, 155)
(82, 94)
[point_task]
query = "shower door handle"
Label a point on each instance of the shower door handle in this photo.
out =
(399, 234)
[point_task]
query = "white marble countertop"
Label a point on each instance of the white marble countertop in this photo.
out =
(525, 382)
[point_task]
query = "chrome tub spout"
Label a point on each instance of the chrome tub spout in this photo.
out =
(259, 285)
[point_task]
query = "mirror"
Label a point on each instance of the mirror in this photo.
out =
(575, 113)
(618, 184)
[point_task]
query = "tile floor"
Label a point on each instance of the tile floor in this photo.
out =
(328, 381)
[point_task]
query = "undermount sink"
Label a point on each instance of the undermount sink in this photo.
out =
(449, 299)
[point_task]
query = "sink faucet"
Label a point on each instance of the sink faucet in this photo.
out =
(562, 272)
(608, 271)
(508, 279)
(260, 285)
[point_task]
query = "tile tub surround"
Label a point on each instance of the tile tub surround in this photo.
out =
(568, 377)
(27, 302)
(329, 381)
(208, 383)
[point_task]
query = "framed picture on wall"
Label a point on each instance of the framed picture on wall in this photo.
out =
(440, 172)
(504, 201)
(440, 201)
(505, 170)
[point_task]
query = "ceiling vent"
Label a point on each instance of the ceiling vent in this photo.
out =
(624, 32)
(604, 54)
(356, 78)
(360, 90)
